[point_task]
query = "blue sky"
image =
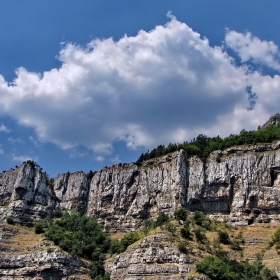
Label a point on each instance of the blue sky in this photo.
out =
(85, 84)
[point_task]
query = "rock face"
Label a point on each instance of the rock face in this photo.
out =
(156, 257)
(71, 191)
(123, 195)
(26, 195)
(24, 256)
(241, 184)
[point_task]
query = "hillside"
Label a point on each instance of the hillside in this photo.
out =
(237, 187)
(162, 252)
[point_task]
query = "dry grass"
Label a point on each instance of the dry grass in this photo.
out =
(19, 238)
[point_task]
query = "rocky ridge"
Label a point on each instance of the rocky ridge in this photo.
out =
(240, 184)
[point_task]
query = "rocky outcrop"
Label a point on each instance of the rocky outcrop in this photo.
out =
(24, 256)
(240, 184)
(43, 264)
(123, 195)
(71, 191)
(155, 257)
(25, 194)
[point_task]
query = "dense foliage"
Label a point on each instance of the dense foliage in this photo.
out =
(119, 246)
(202, 145)
(223, 268)
(82, 236)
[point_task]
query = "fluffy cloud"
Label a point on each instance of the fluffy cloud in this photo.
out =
(166, 85)
(252, 48)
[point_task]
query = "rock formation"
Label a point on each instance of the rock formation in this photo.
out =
(26, 195)
(240, 184)
(156, 257)
(25, 256)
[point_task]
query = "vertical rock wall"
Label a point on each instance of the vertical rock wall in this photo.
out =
(26, 195)
(241, 184)
(71, 191)
(123, 195)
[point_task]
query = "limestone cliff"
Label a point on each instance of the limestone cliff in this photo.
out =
(71, 191)
(240, 184)
(123, 195)
(25, 194)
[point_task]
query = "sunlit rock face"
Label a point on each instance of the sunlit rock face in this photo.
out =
(71, 191)
(123, 195)
(25, 194)
(244, 183)
(240, 184)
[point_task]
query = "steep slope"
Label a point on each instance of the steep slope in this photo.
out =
(240, 184)
(25, 255)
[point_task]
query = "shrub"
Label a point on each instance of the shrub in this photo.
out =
(223, 268)
(119, 246)
(148, 225)
(182, 247)
(39, 227)
(276, 236)
(186, 232)
(181, 214)
(81, 236)
(170, 227)
(10, 220)
(200, 236)
(129, 239)
(198, 217)
(161, 219)
(223, 237)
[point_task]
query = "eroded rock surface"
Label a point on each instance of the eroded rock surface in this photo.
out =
(240, 184)
(156, 257)
(24, 256)
(71, 191)
(123, 195)
(26, 195)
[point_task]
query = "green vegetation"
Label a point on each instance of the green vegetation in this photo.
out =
(90, 174)
(82, 236)
(158, 222)
(223, 237)
(180, 214)
(119, 246)
(276, 240)
(202, 145)
(10, 220)
(223, 268)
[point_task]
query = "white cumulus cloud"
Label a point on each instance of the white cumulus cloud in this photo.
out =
(165, 85)
(252, 48)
